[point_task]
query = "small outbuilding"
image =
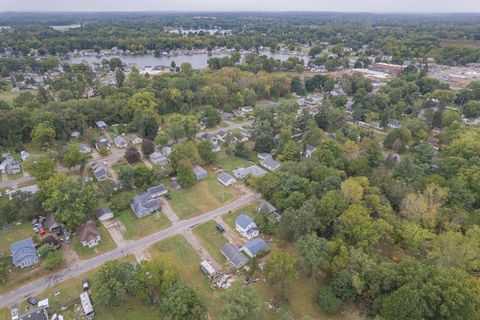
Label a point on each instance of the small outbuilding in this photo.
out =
(234, 255)
(226, 179)
(104, 214)
(254, 247)
(200, 173)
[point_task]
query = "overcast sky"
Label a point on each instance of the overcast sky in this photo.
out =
(244, 5)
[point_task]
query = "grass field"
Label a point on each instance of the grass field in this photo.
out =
(17, 233)
(230, 163)
(205, 195)
(211, 239)
(9, 96)
(106, 244)
(137, 228)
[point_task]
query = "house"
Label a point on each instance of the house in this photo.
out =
(158, 158)
(239, 113)
(266, 206)
(33, 189)
(246, 226)
(309, 149)
(202, 123)
(216, 147)
(166, 151)
(157, 191)
(24, 155)
(104, 214)
(24, 253)
(222, 135)
(102, 142)
(209, 136)
(101, 125)
(226, 179)
(246, 109)
(134, 139)
(75, 135)
(200, 173)
(84, 148)
(434, 142)
(9, 165)
(39, 313)
(226, 116)
(120, 142)
(233, 255)
(253, 247)
(100, 172)
(270, 164)
(88, 234)
(245, 135)
(175, 183)
(264, 155)
(392, 123)
(254, 171)
(144, 204)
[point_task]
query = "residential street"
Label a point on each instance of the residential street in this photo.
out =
(41, 284)
(231, 125)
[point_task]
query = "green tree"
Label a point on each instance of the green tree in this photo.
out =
(184, 151)
(154, 278)
(374, 155)
(180, 302)
(206, 153)
(327, 300)
(147, 147)
(73, 158)
(185, 174)
(40, 168)
(43, 135)
(132, 155)
(312, 254)
(54, 260)
(280, 268)
(119, 77)
(211, 116)
(239, 303)
(111, 284)
(291, 152)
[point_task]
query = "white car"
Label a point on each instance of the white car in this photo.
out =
(14, 313)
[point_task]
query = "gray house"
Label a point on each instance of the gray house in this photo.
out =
(100, 172)
(120, 142)
(144, 204)
(226, 179)
(101, 125)
(233, 255)
(104, 214)
(270, 164)
(158, 158)
(157, 191)
(200, 173)
(24, 253)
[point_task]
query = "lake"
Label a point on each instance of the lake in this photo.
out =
(198, 61)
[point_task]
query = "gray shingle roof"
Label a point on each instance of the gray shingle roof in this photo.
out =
(21, 250)
(255, 246)
(234, 255)
(225, 177)
(243, 220)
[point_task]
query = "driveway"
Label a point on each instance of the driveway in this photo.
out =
(202, 252)
(83, 266)
(168, 211)
(230, 234)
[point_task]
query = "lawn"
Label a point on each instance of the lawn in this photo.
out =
(14, 176)
(17, 233)
(251, 210)
(137, 228)
(231, 163)
(204, 196)
(211, 239)
(179, 252)
(106, 244)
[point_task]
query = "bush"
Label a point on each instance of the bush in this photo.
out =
(327, 300)
(54, 260)
(342, 286)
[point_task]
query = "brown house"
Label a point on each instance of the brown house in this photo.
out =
(88, 234)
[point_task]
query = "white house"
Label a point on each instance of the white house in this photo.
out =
(88, 234)
(226, 179)
(246, 226)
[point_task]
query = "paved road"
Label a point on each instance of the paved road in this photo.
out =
(231, 125)
(40, 285)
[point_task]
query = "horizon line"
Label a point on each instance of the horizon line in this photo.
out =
(245, 11)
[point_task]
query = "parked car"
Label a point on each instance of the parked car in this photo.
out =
(85, 285)
(14, 314)
(220, 228)
(68, 240)
(168, 196)
(33, 301)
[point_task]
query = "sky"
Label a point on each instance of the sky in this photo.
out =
(377, 6)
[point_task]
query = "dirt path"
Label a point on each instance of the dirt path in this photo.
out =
(168, 211)
(202, 252)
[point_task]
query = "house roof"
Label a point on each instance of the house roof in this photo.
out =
(225, 177)
(269, 163)
(244, 221)
(255, 246)
(33, 189)
(119, 140)
(100, 172)
(101, 124)
(265, 205)
(88, 231)
(143, 201)
(161, 188)
(23, 249)
(35, 314)
(256, 171)
(199, 170)
(264, 155)
(309, 148)
(234, 255)
(103, 212)
(166, 151)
